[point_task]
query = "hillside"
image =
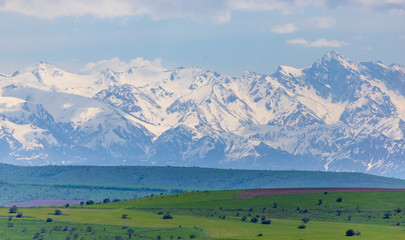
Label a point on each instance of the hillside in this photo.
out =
(372, 215)
(193, 177)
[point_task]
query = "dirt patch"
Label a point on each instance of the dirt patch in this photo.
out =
(279, 191)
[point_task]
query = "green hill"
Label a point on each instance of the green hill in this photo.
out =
(194, 177)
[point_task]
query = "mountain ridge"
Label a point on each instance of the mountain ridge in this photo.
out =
(336, 115)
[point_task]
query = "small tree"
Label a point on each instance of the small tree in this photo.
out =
(19, 215)
(106, 200)
(167, 216)
(13, 209)
(58, 212)
(387, 215)
(339, 199)
(254, 220)
(320, 202)
(302, 226)
(350, 233)
(130, 232)
(49, 220)
(275, 205)
(124, 216)
(89, 202)
(268, 222)
(244, 219)
(305, 220)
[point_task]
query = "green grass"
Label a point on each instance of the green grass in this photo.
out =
(217, 215)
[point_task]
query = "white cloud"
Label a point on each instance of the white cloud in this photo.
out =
(322, 42)
(284, 29)
(324, 22)
(197, 10)
(217, 10)
(117, 65)
(392, 6)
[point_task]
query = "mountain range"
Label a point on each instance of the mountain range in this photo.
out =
(335, 115)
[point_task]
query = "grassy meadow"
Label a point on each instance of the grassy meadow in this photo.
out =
(218, 215)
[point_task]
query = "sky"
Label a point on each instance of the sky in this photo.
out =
(226, 36)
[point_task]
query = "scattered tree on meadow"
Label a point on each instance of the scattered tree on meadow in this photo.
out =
(13, 209)
(58, 212)
(350, 233)
(339, 199)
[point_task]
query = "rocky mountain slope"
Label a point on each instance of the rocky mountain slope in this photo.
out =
(336, 115)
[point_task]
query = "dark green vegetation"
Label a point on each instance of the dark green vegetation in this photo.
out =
(35, 229)
(127, 182)
(193, 177)
(217, 214)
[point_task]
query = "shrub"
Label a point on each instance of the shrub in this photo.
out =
(167, 216)
(19, 215)
(10, 224)
(387, 215)
(193, 236)
(58, 212)
(302, 226)
(244, 219)
(89, 202)
(49, 220)
(268, 221)
(13, 209)
(67, 205)
(275, 205)
(254, 220)
(260, 234)
(124, 216)
(305, 220)
(320, 202)
(106, 200)
(350, 233)
(398, 210)
(339, 199)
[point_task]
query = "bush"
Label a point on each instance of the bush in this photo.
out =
(305, 220)
(254, 220)
(260, 234)
(350, 233)
(89, 202)
(19, 215)
(193, 236)
(339, 199)
(167, 216)
(268, 221)
(13, 209)
(387, 215)
(58, 212)
(302, 226)
(49, 220)
(124, 216)
(244, 219)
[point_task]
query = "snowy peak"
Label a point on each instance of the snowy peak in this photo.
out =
(337, 115)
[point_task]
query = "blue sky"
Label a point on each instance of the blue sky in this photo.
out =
(227, 36)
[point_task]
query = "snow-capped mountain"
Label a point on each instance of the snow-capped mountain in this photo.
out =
(336, 115)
